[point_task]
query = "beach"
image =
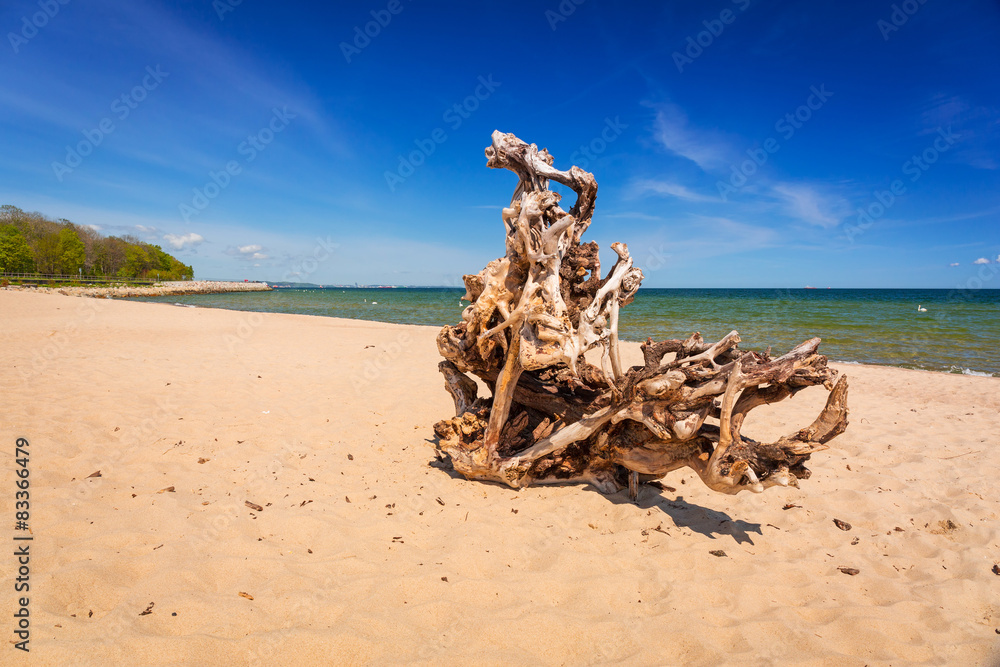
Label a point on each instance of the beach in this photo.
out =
(268, 493)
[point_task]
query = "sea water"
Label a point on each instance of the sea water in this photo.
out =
(959, 331)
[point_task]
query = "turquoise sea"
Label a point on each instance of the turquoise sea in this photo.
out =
(959, 332)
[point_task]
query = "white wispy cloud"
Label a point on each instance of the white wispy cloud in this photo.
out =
(636, 215)
(712, 236)
(209, 60)
(954, 264)
(703, 147)
(818, 204)
(982, 260)
(743, 235)
(942, 110)
(233, 81)
(668, 189)
(253, 252)
(807, 203)
(60, 115)
(183, 241)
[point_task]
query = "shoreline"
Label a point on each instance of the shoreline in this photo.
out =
(262, 472)
(837, 362)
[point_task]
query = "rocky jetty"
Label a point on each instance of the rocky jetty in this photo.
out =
(166, 288)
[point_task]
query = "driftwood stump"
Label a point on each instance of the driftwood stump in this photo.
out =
(553, 417)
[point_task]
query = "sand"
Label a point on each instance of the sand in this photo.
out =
(364, 552)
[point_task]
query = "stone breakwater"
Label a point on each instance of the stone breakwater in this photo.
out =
(160, 289)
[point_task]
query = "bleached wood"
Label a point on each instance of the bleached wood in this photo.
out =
(554, 417)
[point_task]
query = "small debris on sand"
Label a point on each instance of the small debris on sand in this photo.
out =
(945, 527)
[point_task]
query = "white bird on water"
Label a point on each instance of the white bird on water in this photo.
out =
(921, 309)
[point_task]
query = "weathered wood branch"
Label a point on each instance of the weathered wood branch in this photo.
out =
(554, 417)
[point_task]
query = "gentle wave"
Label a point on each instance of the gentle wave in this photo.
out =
(969, 371)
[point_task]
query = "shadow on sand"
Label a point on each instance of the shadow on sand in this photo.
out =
(702, 520)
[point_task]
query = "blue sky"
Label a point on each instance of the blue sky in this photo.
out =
(734, 141)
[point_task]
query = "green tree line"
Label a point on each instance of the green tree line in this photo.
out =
(33, 243)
